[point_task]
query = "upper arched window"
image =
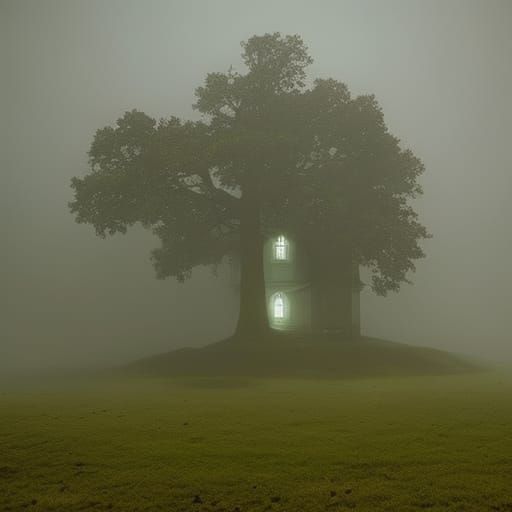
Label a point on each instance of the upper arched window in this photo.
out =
(281, 248)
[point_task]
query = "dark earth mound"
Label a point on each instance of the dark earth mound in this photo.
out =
(285, 355)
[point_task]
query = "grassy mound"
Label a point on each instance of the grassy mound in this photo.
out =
(285, 355)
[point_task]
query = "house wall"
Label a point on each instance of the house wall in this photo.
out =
(320, 298)
(290, 277)
(292, 270)
(335, 300)
(332, 307)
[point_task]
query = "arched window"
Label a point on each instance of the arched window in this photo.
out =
(278, 306)
(281, 248)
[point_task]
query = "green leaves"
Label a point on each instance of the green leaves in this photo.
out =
(321, 164)
(276, 63)
(354, 185)
(159, 176)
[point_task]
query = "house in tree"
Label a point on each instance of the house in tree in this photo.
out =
(310, 290)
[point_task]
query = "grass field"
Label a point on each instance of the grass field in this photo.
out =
(396, 444)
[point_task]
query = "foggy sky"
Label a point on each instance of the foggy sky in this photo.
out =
(440, 69)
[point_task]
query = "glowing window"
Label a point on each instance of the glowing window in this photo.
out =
(281, 248)
(278, 306)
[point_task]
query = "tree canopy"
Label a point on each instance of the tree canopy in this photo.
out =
(269, 154)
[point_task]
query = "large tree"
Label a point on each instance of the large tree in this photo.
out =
(269, 154)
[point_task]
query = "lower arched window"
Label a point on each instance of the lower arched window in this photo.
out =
(278, 306)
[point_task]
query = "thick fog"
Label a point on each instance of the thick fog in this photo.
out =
(442, 71)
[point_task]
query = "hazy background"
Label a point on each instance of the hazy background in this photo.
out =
(441, 70)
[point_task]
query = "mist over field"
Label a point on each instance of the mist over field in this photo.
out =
(441, 71)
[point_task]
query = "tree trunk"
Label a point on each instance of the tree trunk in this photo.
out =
(253, 318)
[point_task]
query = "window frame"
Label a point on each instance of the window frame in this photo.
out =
(281, 243)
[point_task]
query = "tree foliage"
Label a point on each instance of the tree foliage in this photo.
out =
(310, 160)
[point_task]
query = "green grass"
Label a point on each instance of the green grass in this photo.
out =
(396, 444)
